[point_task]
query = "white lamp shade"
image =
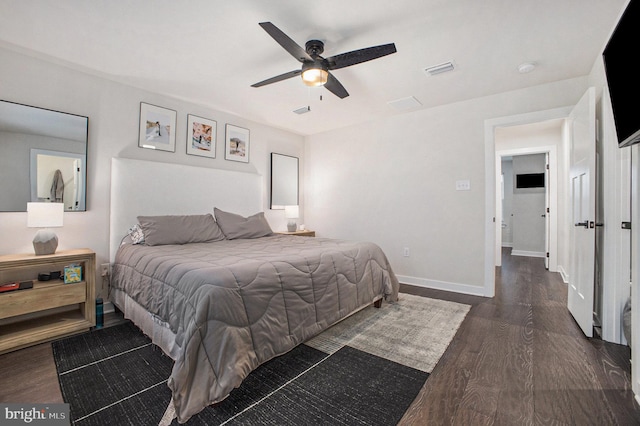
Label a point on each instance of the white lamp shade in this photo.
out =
(45, 215)
(291, 212)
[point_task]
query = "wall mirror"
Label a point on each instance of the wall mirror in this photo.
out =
(284, 181)
(43, 157)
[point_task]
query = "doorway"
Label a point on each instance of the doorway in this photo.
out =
(551, 211)
(543, 138)
(492, 182)
(615, 201)
(525, 195)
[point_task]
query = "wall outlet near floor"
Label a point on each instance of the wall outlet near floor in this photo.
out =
(405, 252)
(104, 269)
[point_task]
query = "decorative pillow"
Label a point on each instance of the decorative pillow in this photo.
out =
(160, 230)
(136, 234)
(235, 226)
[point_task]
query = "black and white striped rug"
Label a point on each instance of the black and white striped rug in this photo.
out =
(343, 377)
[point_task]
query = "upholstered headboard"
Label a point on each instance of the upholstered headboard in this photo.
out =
(150, 188)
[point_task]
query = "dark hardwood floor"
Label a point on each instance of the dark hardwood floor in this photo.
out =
(518, 359)
(29, 375)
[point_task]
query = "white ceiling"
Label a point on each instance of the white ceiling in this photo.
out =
(210, 51)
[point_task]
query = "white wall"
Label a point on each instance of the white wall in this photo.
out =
(393, 182)
(113, 110)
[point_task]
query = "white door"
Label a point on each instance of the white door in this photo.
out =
(583, 201)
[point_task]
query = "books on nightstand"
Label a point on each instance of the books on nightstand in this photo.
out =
(18, 285)
(72, 274)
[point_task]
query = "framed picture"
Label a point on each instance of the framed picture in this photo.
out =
(201, 136)
(157, 128)
(237, 144)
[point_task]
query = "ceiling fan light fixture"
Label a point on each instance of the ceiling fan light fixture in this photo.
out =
(315, 76)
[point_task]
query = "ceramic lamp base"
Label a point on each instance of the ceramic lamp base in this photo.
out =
(45, 242)
(292, 226)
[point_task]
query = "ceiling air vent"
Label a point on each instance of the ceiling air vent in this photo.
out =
(439, 69)
(302, 110)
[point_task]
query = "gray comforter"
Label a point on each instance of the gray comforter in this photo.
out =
(235, 304)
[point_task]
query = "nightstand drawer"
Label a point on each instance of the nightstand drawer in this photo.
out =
(40, 298)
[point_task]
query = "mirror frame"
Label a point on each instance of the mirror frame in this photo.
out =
(17, 117)
(285, 181)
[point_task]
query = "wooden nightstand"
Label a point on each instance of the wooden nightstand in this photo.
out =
(50, 309)
(305, 233)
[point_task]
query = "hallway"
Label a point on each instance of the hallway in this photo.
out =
(520, 359)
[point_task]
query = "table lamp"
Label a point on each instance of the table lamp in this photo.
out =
(291, 213)
(45, 215)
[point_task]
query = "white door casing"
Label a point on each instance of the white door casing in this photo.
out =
(528, 209)
(491, 234)
(583, 203)
(635, 271)
(547, 227)
(552, 197)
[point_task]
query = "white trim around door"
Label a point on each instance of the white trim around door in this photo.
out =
(490, 182)
(552, 190)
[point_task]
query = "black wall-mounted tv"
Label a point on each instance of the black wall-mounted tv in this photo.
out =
(530, 180)
(623, 77)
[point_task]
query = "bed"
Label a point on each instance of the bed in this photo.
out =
(223, 295)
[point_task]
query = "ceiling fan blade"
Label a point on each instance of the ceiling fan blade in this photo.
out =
(278, 78)
(335, 87)
(285, 41)
(358, 56)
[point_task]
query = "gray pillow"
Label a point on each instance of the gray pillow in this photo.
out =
(160, 230)
(235, 226)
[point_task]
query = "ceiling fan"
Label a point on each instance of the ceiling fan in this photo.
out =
(315, 69)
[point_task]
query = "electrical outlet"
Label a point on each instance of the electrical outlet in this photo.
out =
(405, 252)
(463, 185)
(104, 269)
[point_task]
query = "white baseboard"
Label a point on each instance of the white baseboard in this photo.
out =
(528, 253)
(108, 307)
(563, 274)
(442, 285)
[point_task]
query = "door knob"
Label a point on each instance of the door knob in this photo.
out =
(585, 224)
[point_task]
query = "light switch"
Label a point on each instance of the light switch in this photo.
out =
(463, 185)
